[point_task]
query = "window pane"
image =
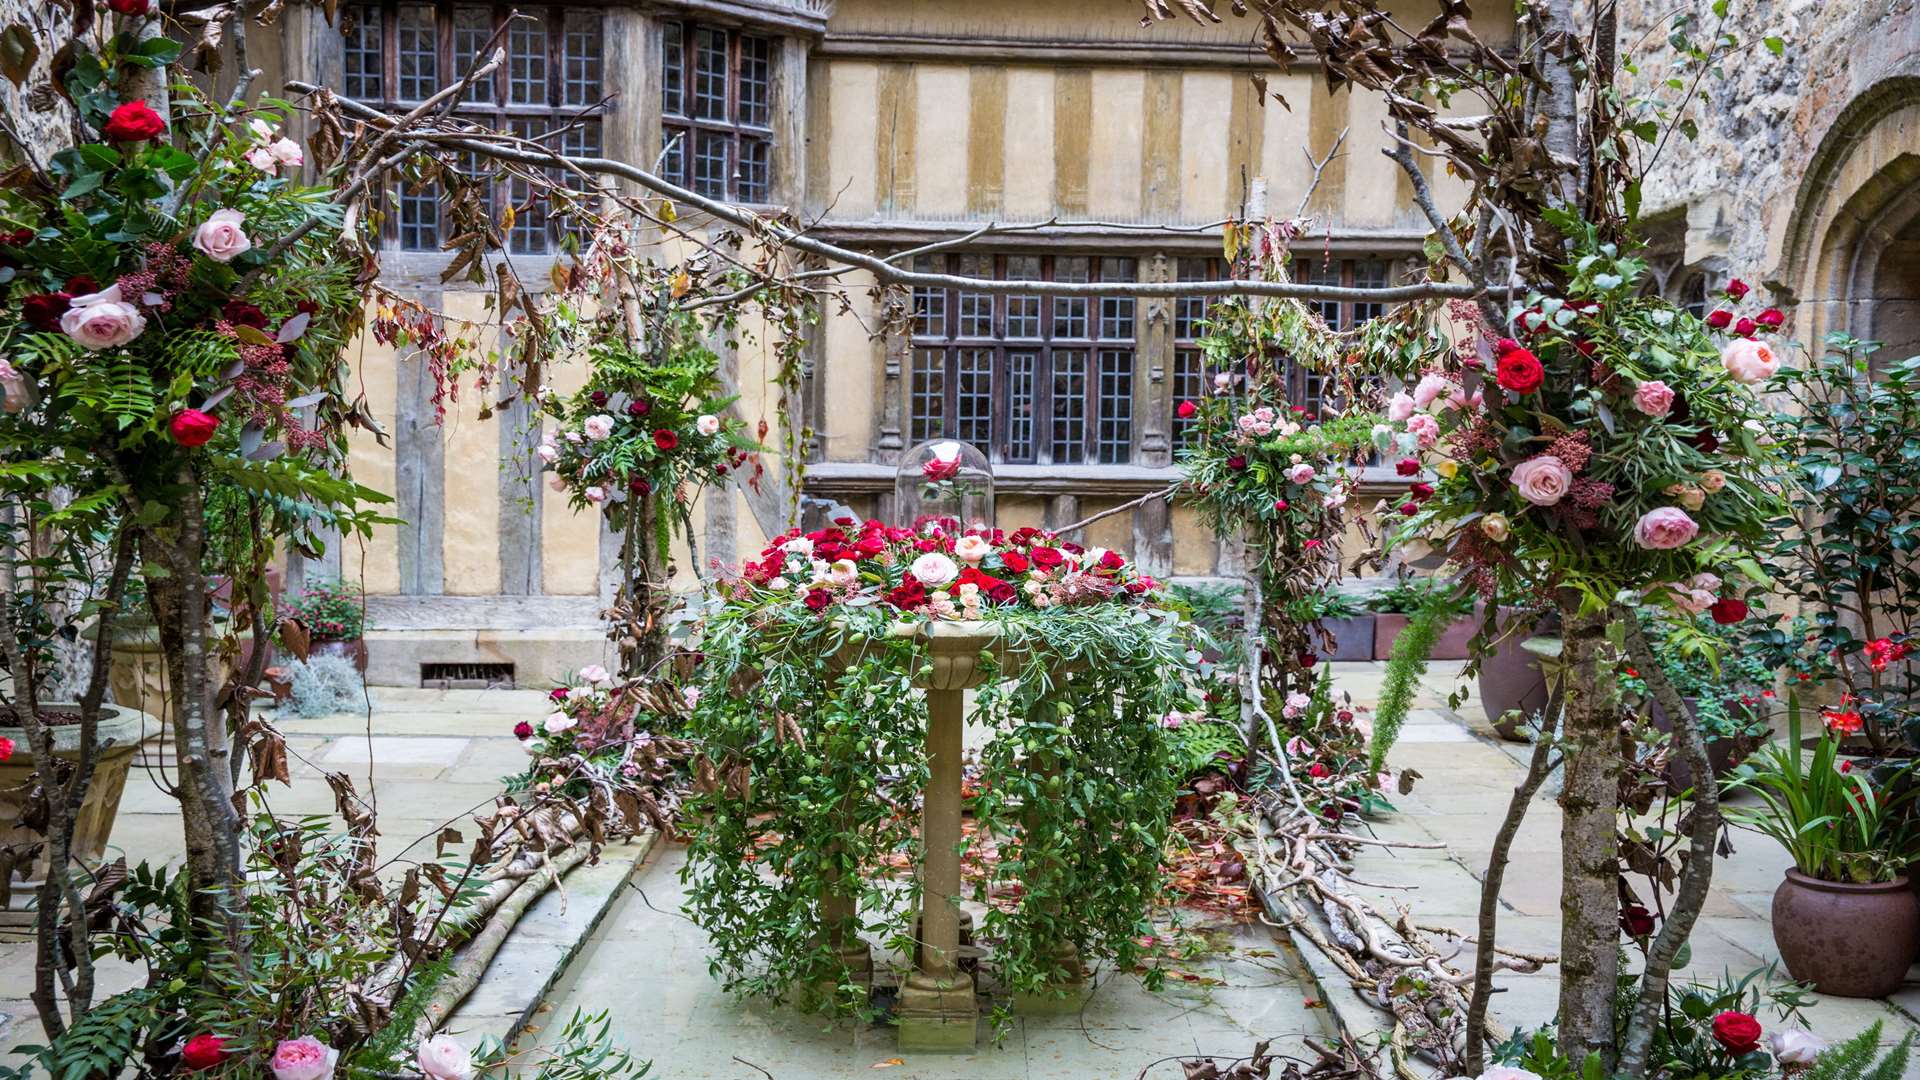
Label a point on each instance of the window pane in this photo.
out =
(1116, 406)
(973, 397)
(673, 100)
(1116, 318)
(927, 407)
(529, 235)
(417, 52)
(418, 211)
(1326, 272)
(710, 164)
(472, 26)
(975, 308)
(527, 63)
(673, 154)
(930, 312)
(709, 74)
(365, 46)
(1021, 367)
(1189, 384)
(1023, 316)
(756, 81)
(755, 170)
(1371, 274)
(1069, 406)
(580, 80)
(1070, 312)
(1190, 311)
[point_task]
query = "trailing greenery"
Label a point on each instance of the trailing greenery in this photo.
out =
(1404, 668)
(1855, 1058)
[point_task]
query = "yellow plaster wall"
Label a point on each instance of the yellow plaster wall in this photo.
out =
(374, 562)
(470, 545)
(940, 150)
(850, 147)
(1029, 144)
(570, 543)
(1206, 107)
(1113, 170)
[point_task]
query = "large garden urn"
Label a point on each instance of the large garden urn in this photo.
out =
(116, 738)
(1848, 940)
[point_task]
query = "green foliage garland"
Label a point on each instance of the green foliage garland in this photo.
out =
(1404, 667)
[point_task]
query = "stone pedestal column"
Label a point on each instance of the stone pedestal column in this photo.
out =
(1070, 993)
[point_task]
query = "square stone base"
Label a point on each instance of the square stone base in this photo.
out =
(937, 1014)
(1064, 999)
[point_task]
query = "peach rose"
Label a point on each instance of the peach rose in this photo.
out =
(1749, 361)
(1543, 480)
(1653, 397)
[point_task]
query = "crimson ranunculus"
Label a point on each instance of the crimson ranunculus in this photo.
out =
(1737, 1031)
(1728, 610)
(523, 731)
(1407, 467)
(639, 486)
(1185, 410)
(1519, 370)
(191, 427)
(43, 310)
(1719, 318)
(1772, 318)
(133, 122)
(203, 1052)
(241, 313)
(639, 408)
(665, 440)
(1736, 289)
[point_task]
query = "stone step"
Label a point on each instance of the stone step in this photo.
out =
(542, 944)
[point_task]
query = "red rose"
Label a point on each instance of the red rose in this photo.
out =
(558, 693)
(1772, 318)
(523, 731)
(665, 440)
(936, 470)
(1407, 467)
(1112, 561)
(1719, 318)
(1280, 506)
(241, 313)
(42, 311)
(130, 7)
(818, 599)
(1637, 921)
(1519, 370)
(1504, 346)
(1745, 327)
(6, 749)
(1727, 610)
(133, 122)
(191, 427)
(1185, 410)
(1318, 771)
(1408, 509)
(639, 486)
(1421, 492)
(909, 595)
(1045, 558)
(599, 398)
(1737, 1031)
(1736, 289)
(203, 1052)
(1236, 462)
(638, 409)
(17, 238)
(1014, 561)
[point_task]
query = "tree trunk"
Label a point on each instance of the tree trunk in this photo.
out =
(1589, 848)
(209, 819)
(643, 642)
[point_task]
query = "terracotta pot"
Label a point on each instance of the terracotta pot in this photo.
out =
(1511, 678)
(1352, 637)
(1450, 645)
(115, 741)
(354, 649)
(1723, 754)
(1847, 940)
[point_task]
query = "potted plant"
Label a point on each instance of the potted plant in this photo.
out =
(1395, 605)
(1844, 918)
(1513, 681)
(1727, 688)
(334, 615)
(1343, 629)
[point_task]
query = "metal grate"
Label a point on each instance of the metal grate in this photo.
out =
(466, 676)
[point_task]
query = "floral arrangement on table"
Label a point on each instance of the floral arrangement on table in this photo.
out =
(645, 424)
(1615, 442)
(611, 742)
(813, 741)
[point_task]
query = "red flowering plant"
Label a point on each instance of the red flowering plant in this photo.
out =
(646, 425)
(1617, 443)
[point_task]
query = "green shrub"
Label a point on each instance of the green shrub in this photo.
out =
(330, 610)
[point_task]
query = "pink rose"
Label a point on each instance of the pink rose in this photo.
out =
(1301, 473)
(1665, 528)
(102, 320)
(304, 1058)
(441, 1058)
(1653, 397)
(1400, 407)
(1430, 387)
(1749, 361)
(1543, 480)
(1424, 428)
(220, 237)
(597, 427)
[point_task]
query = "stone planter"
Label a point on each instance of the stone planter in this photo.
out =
(115, 741)
(1349, 638)
(137, 677)
(1847, 940)
(1452, 644)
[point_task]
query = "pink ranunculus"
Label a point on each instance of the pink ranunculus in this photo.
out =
(102, 320)
(1424, 428)
(1749, 361)
(1543, 480)
(221, 238)
(1653, 397)
(304, 1058)
(1664, 528)
(443, 1058)
(1401, 406)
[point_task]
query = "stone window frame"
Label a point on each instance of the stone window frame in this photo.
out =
(572, 88)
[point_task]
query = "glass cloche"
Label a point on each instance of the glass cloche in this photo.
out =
(945, 486)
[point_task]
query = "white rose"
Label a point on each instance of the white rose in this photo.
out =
(934, 569)
(972, 549)
(557, 722)
(843, 572)
(1508, 1072)
(597, 427)
(441, 1058)
(595, 674)
(102, 320)
(800, 546)
(287, 152)
(1795, 1046)
(707, 425)
(262, 130)
(220, 237)
(692, 696)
